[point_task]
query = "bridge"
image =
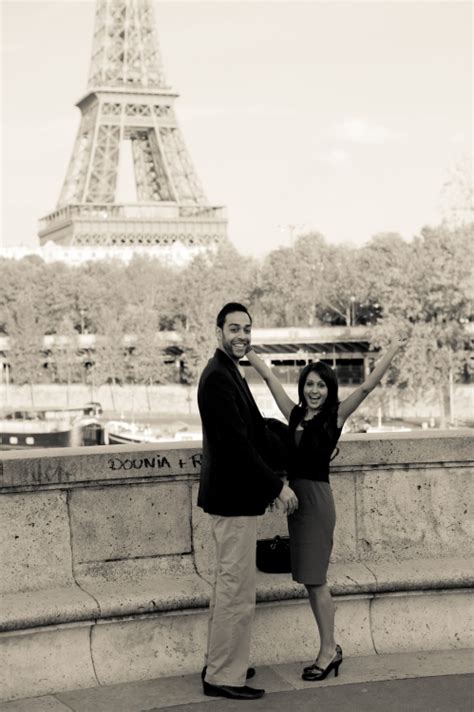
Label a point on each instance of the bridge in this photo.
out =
(107, 561)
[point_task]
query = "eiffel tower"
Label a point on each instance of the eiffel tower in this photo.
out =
(128, 100)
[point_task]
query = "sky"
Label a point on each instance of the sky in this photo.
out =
(344, 118)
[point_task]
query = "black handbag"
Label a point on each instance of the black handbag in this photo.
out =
(273, 555)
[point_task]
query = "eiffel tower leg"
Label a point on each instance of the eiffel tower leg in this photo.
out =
(183, 175)
(74, 183)
(151, 179)
(102, 177)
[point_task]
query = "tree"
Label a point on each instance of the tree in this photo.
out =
(54, 294)
(147, 359)
(203, 287)
(457, 195)
(280, 284)
(384, 268)
(314, 282)
(26, 333)
(109, 358)
(101, 294)
(433, 301)
(149, 288)
(65, 354)
(17, 282)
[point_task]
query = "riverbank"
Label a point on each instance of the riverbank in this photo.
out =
(178, 400)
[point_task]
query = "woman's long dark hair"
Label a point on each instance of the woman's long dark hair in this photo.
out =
(329, 377)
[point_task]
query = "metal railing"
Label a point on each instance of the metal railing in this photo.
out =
(107, 211)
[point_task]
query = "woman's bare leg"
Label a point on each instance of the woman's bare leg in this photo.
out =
(323, 609)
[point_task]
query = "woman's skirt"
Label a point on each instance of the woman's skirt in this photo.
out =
(311, 529)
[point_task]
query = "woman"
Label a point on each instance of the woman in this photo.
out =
(314, 425)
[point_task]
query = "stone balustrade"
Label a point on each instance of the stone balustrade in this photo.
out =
(107, 561)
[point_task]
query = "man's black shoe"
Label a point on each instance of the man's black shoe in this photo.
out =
(233, 693)
(250, 673)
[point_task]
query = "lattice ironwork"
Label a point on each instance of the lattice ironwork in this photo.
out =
(128, 100)
(151, 179)
(184, 177)
(102, 180)
(111, 109)
(125, 47)
(125, 239)
(74, 184)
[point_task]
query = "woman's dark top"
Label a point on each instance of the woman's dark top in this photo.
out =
(311, 452)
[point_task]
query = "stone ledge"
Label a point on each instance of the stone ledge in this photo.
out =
(422, 574)
(352, 578)
(43, 661)
(343, 579)
(401, 448)
(28, 609)
(68, 468)
(155, 595)
(65, 468)
(99, 600)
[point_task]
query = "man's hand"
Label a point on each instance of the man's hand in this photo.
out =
(288, 499)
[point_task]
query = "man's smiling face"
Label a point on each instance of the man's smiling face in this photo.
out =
(236, 334)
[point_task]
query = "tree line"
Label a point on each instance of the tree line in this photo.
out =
(423, 286)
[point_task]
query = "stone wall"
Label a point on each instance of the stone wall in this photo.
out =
(107, 561)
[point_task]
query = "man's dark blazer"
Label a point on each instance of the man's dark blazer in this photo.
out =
(235, 480)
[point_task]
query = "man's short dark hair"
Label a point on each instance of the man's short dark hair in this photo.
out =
(228, 309)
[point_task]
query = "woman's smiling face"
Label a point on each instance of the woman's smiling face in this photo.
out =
(315, 391)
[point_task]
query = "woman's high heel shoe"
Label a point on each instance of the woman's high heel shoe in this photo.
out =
(311, 667)
(313, 672)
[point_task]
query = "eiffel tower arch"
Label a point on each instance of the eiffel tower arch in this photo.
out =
(128, 100)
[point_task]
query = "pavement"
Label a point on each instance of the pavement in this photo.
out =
(440, 681)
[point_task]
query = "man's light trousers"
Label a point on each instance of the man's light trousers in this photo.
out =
(232, 605)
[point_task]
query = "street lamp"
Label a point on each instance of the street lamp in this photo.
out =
(82, 313)
(89, 375)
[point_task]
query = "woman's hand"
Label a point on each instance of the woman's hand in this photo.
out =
(353, 401)
(401, 340)
(256, 361)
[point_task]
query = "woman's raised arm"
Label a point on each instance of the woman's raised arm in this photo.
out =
(349, 404)
(282, 399)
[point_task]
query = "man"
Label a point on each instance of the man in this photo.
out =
(236, 486)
